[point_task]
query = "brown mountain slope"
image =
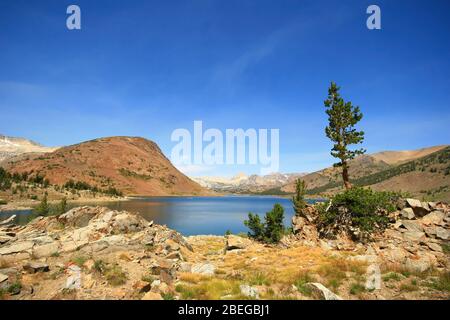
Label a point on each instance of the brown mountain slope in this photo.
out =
(133, 165)
(367, 165)
(359, 167)
(396, 157)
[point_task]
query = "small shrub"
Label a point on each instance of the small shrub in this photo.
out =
(62, 206)
(357, 288)
(99, 266)
(301, 281)
(271, 230)
(115, 275)
(15, 288)
(392, 276)
(147, 278)
(446, 248)
(168, 296)
(79, 260)
(409, 286)
(357, 207)
(442, 283)
(259, 279)
(43, 209)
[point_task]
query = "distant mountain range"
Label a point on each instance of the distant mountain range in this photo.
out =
(132, 165)
(242, 183)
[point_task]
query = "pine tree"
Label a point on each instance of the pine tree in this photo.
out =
(256, 227)
(274, 224)
(269, 231)
(342, 118)
(43, 208)
(298, 200)
(62, 207)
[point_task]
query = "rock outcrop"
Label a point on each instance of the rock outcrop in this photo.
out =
(91, 232)
(414, 238)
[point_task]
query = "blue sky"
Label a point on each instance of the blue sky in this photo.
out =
(145, 68)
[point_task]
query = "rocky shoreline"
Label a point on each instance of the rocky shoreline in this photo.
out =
(98, 253)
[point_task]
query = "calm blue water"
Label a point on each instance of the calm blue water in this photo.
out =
(195, 215)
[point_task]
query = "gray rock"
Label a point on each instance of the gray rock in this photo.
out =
(73, 282)
(442, 233)
(248, 291)
(236, 242)
(420, 208)
(407, 213)
(412, 225)
(204, 268)
(435, 217)
(414, 236)
(434, 246)
(321, 292)
(185, 267)
(373, 277)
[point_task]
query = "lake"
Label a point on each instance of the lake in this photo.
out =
(193, 215)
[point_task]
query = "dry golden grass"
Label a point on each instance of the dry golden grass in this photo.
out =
(210, 289)
(274, 267)
(193, 277)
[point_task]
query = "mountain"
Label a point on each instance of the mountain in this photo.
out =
(424, 172)
(11, 147)
(242, 183)
(132, 165)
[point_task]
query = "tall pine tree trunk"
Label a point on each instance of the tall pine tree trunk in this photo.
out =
(345, 176)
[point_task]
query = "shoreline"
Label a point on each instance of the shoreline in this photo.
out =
(18, 205)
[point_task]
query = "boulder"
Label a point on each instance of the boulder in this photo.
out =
(185, 267)
(204, 268)
(434, 246)
(236, 242)
(435, 217)
(420, 208)
(80, 217)
(126, 222)
(159, 265)
(373, 277)
(321, 292)
(414, 236)
(248, 291)
(407, 213)
(442, 233)
(412, 225)
(34, 267)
